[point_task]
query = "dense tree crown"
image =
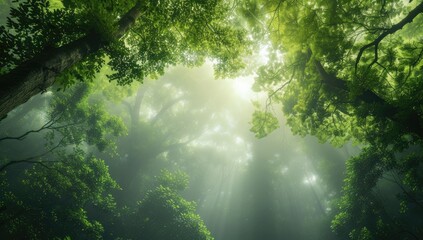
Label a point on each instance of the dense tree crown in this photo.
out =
(44, 44)
(347, 68)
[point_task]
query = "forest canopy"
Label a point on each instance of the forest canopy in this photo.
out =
(112, 126)
(351, 71)
(42, 44)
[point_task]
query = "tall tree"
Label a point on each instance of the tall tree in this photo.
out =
(42, 43)
(351, 71)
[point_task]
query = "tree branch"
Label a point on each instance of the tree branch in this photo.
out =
(31, 77)
(375, 43)
(47, 125)
(33, 159)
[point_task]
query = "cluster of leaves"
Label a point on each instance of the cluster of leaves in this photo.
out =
(362, 214)
(80, 121)
(62, 193)
(170, 32)
(164, 214)
(167, 33)
(263, 123)
(101, 15)
(33, 26)
(71, 199)
(360, 211)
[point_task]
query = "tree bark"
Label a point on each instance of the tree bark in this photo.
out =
(36, 75)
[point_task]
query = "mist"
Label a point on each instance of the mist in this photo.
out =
(276, 187)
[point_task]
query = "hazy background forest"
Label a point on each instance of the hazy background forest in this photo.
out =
(198, 119)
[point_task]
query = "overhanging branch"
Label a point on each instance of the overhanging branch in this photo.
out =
(34, 158)
(375, 43)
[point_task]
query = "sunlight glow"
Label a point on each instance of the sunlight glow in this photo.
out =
(239, 140)
(310, 180)
(263, 56)
(242, 87)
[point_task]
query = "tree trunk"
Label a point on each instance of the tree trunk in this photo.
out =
(39, 73)
(36, 75)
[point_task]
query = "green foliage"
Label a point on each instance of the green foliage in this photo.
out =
(263, 123)
(164, 214)
(84, 71)
(61, 195)
(332, 86)
(84, 121)
(177, 180)
(361, 213)
(359, 208)
(184, 32)
(166, 34)
(34, 27)
(332, 34)
(101, 15)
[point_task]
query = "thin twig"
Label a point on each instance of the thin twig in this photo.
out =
(47, 125)
(33, 158)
